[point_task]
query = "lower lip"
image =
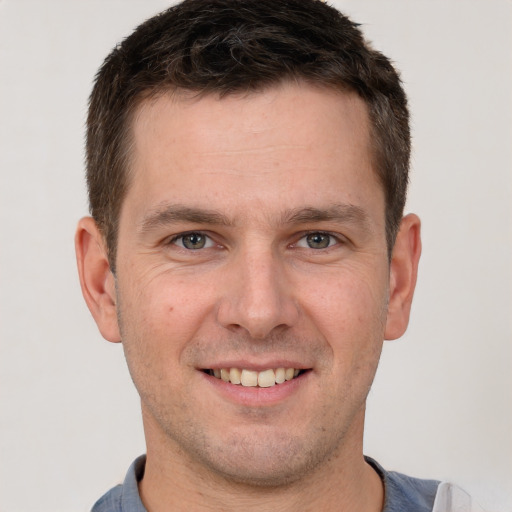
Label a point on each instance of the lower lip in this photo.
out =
(256, 396)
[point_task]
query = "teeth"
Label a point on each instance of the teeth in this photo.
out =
(235, 376)
(280, 375)
(266, 379)
(251, 378)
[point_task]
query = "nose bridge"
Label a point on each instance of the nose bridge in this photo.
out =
(258, 296)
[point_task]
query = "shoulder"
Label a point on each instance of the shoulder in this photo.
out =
(407, 493)
(124, 497)
(110, 501)
(403, 492)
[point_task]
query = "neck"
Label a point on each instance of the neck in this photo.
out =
(174, 481)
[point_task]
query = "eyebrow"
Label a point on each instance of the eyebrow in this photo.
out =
(167, 214)
(346, 213)
(173, 213)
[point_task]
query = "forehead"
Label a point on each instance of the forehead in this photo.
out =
(264, 145)
(269, 113)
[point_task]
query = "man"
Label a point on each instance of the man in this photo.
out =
(247, 164)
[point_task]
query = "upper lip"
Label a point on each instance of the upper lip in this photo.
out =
(255, 366)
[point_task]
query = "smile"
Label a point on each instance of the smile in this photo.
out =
(251, 378)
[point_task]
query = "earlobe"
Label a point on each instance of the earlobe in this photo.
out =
(96, 278)
(403, 274)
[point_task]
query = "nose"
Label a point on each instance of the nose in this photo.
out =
(257, 295)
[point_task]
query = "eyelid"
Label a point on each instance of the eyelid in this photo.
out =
(339, 239)
(179, 236)
(210, 241)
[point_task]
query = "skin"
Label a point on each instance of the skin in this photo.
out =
(254, 175)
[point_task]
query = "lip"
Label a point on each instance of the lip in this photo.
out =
(257, 366)
(256, 396)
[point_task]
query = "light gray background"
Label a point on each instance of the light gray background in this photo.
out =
(442, 402)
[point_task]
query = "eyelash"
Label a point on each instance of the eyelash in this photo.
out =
(208, 242)
(333, 240)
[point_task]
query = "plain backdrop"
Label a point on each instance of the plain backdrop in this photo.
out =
(441, 406)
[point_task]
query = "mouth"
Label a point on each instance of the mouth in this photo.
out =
(251, 378)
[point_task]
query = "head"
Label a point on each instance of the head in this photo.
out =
(247, 167)
(227, 47)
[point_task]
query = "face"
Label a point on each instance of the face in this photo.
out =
(252, 247)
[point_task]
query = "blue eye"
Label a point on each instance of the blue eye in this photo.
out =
(317, 240)
(193, 241)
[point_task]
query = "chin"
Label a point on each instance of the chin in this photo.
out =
(269, 460)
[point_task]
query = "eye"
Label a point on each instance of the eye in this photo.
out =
(193, 241)
(317, 240)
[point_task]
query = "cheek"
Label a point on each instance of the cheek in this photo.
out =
(350, 315)
(348, 302)
(158, 317)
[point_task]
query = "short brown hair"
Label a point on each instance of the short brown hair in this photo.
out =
(228, 46)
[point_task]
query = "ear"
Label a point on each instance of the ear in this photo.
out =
(96, 278)
(402, 276)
